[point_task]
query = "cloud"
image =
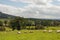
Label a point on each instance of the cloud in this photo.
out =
(10, 9)
(43, 11)
(13, 0)
(58, 0)
(35, 9)
(33, 1)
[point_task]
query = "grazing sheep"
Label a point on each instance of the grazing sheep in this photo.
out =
(44, 30)
(10, 30)
(50, 31)
(18, 32)
(7, 30)
(58, 31)
(25, 32)
(31, 32)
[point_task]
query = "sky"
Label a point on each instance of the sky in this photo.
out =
(47, 9)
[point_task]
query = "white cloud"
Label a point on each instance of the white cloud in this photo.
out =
(13, 0)
(58, 0)
(33, 1)
(43, 11)
(36, 9)
(10, 9)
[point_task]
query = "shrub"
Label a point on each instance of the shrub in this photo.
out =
(2, 28)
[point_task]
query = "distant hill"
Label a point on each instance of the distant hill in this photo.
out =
(42, 19)
(3, 15)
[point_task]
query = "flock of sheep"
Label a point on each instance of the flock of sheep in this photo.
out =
(50, 31)
(58, 31)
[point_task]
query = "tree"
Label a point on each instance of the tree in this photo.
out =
(12, 24)
(18, 25)
(15, 24)
(5, 22)
(2, 28)
(38, 25)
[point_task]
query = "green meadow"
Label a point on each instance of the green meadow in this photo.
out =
(26, 35)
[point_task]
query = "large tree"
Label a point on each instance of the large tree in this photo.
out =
(15, 23)
(2, 28)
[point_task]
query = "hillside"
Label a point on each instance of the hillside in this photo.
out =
(3, 15)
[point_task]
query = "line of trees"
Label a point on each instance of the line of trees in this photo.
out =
(22, 23)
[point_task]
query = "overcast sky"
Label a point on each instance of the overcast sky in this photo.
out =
(32, 8)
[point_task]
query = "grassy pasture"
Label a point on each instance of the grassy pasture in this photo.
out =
(36, 35)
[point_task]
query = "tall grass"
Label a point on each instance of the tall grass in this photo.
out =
(36, 35)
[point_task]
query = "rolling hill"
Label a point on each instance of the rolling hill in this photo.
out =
(3, 15)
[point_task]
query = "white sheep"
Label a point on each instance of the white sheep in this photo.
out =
(50, 31)
(58, 31)
(25, 32)
(18, 32)
(44, 30)
(31, 31)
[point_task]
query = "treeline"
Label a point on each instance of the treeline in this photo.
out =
(25, 23)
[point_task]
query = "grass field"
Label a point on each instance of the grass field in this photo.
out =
(36, 35)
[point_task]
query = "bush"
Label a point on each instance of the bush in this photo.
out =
(1, 23)
(2, 28)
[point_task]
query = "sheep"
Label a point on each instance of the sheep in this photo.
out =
(31, 32)
(19, 32)
(58, 31)
(44, 30)
(50, 31)
(25, 32)
(10, 30)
